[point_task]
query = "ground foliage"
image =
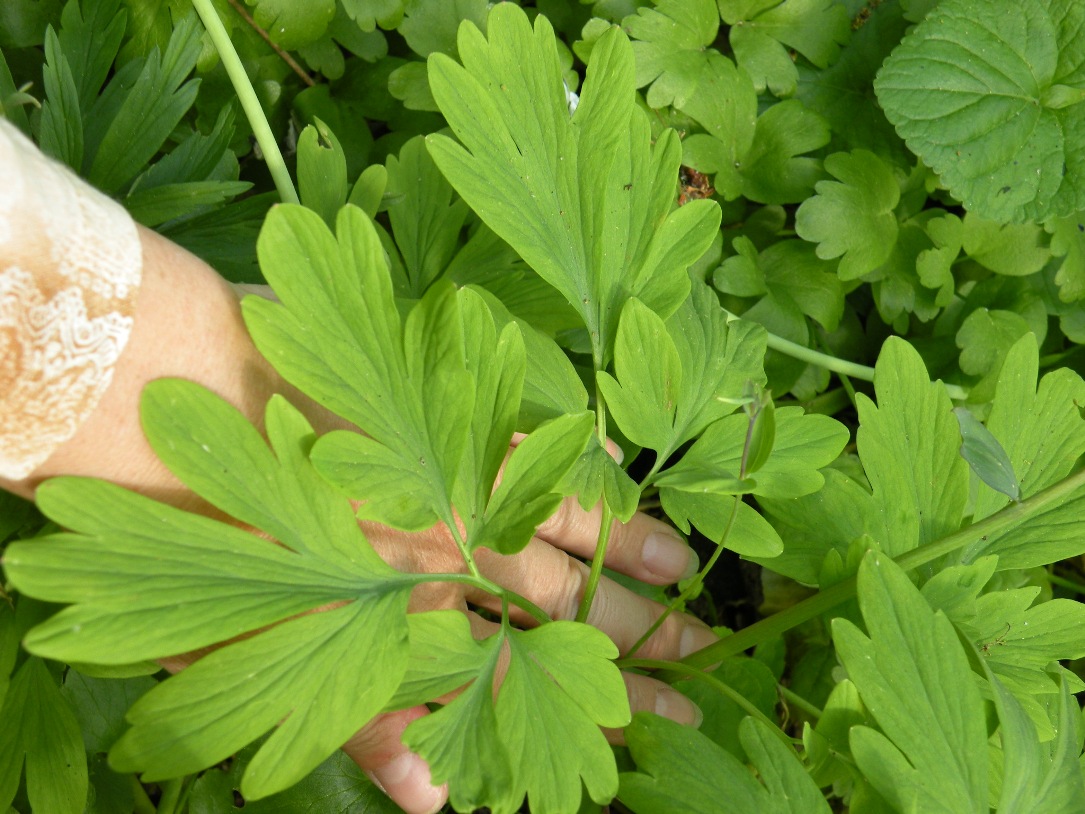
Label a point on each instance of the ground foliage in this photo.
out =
(817, 265)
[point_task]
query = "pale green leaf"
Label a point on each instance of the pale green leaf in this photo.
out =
(804, 444)
(864, 196)
(814, 28)
(914, 678)
(596, 475)
(1038, 776)
(1012, 249)
(529, 491)
(1040, 428)
(908, 445)
(970, 90)
(749, 534)
(444, 657)
(579, 198)
(1068, 243)
(430, 26)
(649, 370)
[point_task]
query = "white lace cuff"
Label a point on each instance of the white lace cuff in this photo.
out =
(70, 268)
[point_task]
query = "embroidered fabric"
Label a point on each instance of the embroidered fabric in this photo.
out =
(70, 268)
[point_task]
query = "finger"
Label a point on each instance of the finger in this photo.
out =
(644, 548)
(405, 777)
(649, 695)
(555, 582)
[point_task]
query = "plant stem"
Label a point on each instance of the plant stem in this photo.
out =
(774, 626)
(693, 585)
(249, 102)
(141, 803)
(1069, 584)
(480, 582)
(605, 520)
(840, 366)
(798, 701)
(171, 792)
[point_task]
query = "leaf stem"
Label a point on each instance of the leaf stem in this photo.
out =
(490, 587)
(693, 585)
(840, 366)
(605, 521)
(798, 701)
(141, 803)
(775, 626)
(283, 54)
(249, 102)
(171, 793)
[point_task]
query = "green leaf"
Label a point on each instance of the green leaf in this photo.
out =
(681, 769)
(814, 28)
(671, 48)
(322, 171)
(843, 92)
(337, 336)
(430, 26)
(1038, 776)
(908, 445)
(155, 206)
(804, 444)
(970, 90)
(820, 523)
(985, 337)
(127, 126)
(1013, 249)
(529, 490)
(1068, 243)
(647, 364)
(291, 24)
(41, 729)
(444, 657)
(427, 220)
(100, 705)
(90, 34)
(540, 737)
(986, 456)
(596, 475)
(749, 535)
(913, 677)
(1040, 429)
(583, 200)
(23, 22)
(61, 119)
(864, 196)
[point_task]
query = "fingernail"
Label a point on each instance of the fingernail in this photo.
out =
(406, 779)
(695, 638)
(668, 557)
(672, 704)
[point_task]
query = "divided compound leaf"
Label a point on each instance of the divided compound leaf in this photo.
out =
(150, 581)
(913, 676)
(671, 47)
(583, 199)
(985, 93)
(337, 336)
(764, 35)
(322, 171)
(675, 378)
(540, 737)
(863, 197)
(803, 445)
(678, 767)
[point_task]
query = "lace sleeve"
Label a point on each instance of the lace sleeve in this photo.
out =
(70, 268)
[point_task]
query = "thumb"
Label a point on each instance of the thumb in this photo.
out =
(405, 777)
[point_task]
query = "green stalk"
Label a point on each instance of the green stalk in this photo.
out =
(774, 626)
(693, 584)
(249, 103)
(798, 702)
(605, 520)
(490, 587)
(840, 366)
(171, 793)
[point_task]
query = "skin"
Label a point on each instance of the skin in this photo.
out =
(188, 324)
